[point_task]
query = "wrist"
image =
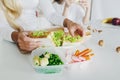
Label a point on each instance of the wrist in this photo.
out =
(14, 36)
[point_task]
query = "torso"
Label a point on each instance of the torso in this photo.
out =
(28, 19)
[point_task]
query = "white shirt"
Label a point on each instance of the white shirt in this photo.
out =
(75, 12)
(28, 19)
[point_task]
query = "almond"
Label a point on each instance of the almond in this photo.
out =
(101, 43)
(118, 49)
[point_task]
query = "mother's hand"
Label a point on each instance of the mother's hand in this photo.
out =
(26, 43)
(74, 28)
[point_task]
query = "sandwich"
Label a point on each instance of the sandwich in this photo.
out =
(55, 37)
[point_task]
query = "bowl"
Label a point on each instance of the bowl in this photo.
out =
(48, 69)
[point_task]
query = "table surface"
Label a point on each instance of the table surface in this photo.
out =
(105, 65)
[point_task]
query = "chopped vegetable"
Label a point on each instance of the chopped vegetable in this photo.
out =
(57, 37)
(36, 61)
(48, 59)
(44, 61)
(72, 39)
(80, 56)
(39, 34)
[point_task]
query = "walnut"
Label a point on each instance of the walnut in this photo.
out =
(101, 43)
(118, 49)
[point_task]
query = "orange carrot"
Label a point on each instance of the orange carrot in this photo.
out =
(77, 53)
(87, 57)
(84, 52)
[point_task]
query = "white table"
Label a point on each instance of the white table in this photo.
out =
(105, 65)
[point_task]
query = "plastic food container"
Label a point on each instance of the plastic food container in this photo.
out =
(48, 69)
(66, 54)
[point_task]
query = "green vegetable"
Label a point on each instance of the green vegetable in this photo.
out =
(71, 39)
(55, 60)
(39, 33)
(48, 59)
(58, 37)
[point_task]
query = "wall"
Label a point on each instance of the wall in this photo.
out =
(105, 8)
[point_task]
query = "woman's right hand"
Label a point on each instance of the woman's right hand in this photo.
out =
(73, 27)
(26, 43)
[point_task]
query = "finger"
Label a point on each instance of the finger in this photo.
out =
(24, 37)
(36, 40)
(80, 31)
(71, 31)
(29, 47)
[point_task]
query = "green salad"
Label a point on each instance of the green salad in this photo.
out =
(47, 59)
(59, 37)
(39, 34)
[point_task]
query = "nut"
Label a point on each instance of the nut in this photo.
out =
(118, 49)
(101, 43)
(87, 33)
(94, 30)
(99, 31)
(89, 27)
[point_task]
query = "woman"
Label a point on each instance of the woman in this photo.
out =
(21, 16)
(75, 10)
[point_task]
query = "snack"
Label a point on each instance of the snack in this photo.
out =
(107, 20)
(118, 49)
(101, 43)
(55, 37)
(47, 59)
(80, 56)
(39, 34)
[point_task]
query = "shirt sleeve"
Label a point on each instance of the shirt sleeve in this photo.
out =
(5, 29)
(50, 13)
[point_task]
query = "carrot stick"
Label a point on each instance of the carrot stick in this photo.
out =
(87, 57)
(84, 52)
(77, 53)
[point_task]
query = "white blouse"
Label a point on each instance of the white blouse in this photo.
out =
(75, 12)
(28, 19)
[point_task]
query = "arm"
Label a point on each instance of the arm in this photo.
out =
(87, 6)
(65, 11)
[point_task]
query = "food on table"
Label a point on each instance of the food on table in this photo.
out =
(113, 21)
(116, 21)
(56, 37)
(36, 60)
(118, 49)
(89, 28)
(39, 34)
(100, 42)
(80, 56)
(99, 31)
(47, 59)
(88, 33)
(107, 20)
(94, 30)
